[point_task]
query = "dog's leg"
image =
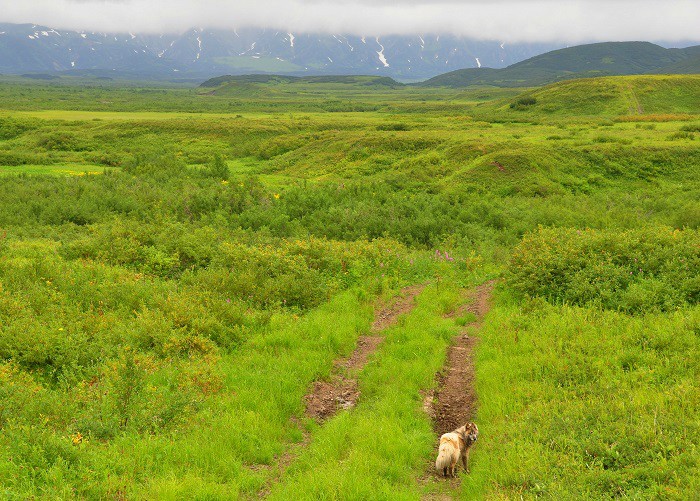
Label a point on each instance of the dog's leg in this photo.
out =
(465, 460)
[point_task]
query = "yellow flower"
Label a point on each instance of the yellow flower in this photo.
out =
(224, 182)
(77, 438)
(277, 195)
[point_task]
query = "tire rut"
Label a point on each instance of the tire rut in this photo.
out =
(342, 391)
(454, 401)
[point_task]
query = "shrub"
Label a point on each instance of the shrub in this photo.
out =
(681, 134)
(633, 271)
(218, 168)
(397, 126)
(523, 102)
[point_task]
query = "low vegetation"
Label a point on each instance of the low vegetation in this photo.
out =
(178, 266)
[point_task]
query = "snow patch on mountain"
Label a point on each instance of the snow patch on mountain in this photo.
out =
(380, 53)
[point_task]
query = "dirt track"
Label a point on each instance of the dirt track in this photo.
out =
(341, 392)
(454, 401)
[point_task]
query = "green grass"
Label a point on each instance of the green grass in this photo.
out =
(57, 170)
(584, 404)
(261, 63)
(161, 322)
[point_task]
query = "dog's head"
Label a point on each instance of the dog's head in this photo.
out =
(470, 432)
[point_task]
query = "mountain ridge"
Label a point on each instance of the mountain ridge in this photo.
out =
(205, 53)
(581, 61)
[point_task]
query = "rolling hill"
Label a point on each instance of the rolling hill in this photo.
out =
(591, 60)
(642, 95)
(361, 80)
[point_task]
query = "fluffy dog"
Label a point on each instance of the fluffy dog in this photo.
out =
(454, 445)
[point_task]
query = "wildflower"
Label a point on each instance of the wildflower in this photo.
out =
(228, 300)
(224, 182)
(77, 438)
(276, 195)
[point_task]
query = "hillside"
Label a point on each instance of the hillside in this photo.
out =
(600, 59)
(291, 294)
(610, 96)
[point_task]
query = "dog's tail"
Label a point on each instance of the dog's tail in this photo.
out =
(445, 454)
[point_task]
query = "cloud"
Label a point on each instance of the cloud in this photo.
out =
(507, 20)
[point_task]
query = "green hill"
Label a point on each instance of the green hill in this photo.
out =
(611, 96)
(599, 59)
(686, 67)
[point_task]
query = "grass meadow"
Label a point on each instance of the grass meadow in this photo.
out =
(179, 265)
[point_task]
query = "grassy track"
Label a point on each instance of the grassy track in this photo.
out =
(380, 449)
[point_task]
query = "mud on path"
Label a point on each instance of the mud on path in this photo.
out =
(342, 391)
(454, 401)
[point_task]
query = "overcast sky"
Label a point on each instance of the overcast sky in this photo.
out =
(506, 20)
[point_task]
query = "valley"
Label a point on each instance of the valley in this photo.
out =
(182, 267)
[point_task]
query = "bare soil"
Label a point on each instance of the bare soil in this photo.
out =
(454, 401)
(341, 391)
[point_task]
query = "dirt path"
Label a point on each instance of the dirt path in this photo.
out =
(454, 401)
(455, 397)
(341, 391)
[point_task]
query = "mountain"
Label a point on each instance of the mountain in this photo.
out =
(203, 53)
(591, 60)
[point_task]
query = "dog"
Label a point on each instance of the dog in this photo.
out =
(454, 445)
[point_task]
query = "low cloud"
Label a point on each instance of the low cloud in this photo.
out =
(506, 20)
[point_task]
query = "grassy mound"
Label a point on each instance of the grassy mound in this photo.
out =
(614, 96)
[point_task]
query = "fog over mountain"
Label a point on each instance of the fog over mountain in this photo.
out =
(202, 53)
(570, 21)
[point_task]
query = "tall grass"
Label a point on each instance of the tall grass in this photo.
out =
(578, 403)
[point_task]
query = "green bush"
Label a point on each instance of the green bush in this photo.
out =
(634, 271)
(523, 102)
(218, 168)
(397, 126)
